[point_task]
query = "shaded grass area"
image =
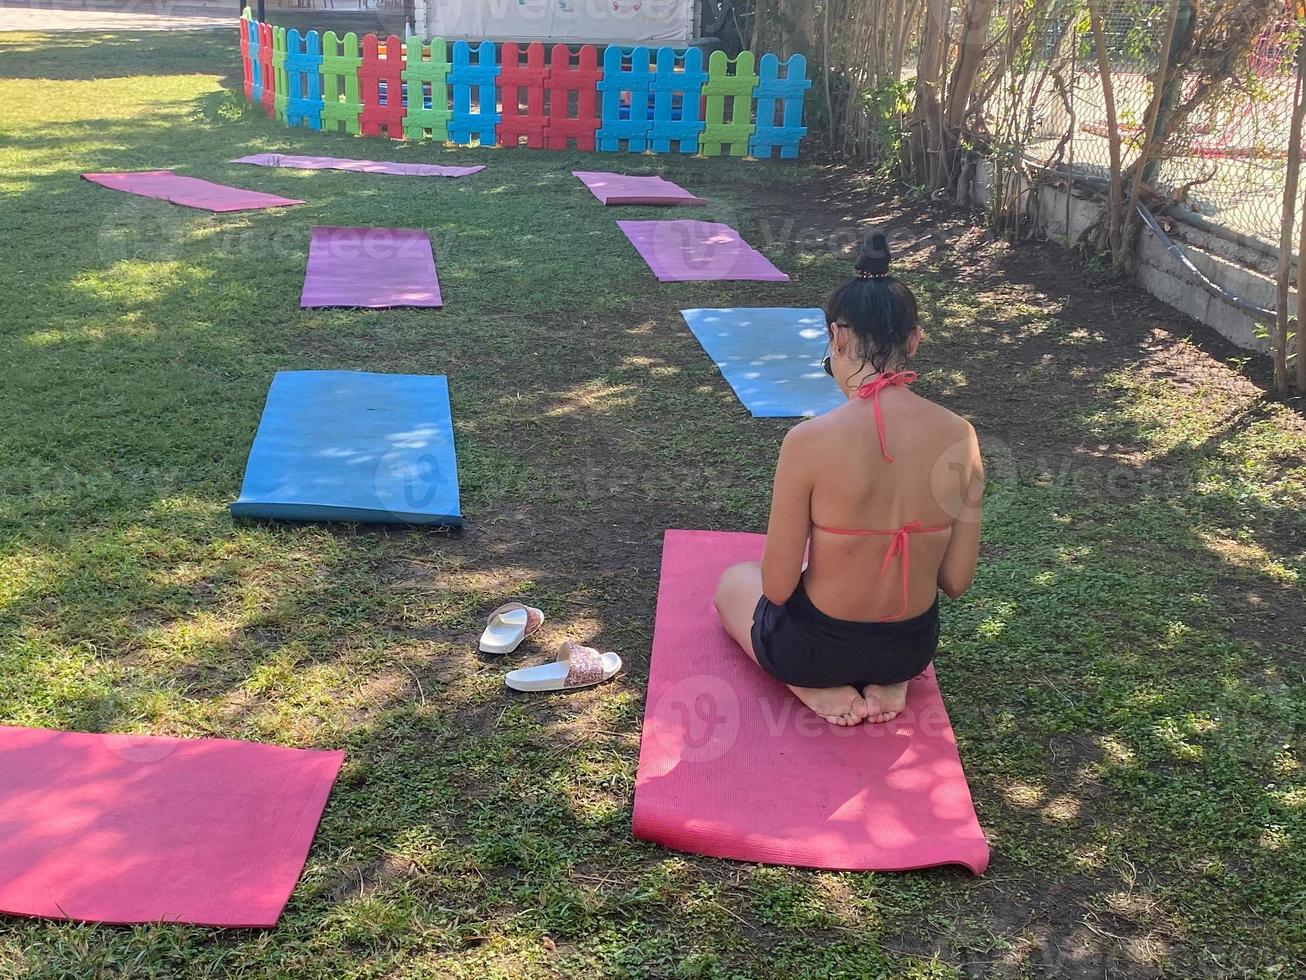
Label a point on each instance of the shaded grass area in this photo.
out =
(1124, 679)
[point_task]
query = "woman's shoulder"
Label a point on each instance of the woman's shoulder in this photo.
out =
(945, 418)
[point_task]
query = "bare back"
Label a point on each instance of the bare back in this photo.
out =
(926, 495)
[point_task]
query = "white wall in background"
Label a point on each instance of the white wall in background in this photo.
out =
(598, 21)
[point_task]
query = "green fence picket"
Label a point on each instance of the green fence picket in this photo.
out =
(419, 72)
(340, 102)
(738, 88)
(279, 68)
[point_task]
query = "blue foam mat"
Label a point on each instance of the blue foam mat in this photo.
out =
(771, 356)
(353, 446)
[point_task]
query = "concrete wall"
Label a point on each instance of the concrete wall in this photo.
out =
(1064, 214)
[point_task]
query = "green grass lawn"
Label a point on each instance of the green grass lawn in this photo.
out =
(1125, 679)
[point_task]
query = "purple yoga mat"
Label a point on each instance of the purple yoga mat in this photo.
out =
(616, 189)
(190, 192)
(698, 251)
(356, 166)
(370, 267)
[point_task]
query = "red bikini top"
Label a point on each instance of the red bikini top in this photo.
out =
(900, 546)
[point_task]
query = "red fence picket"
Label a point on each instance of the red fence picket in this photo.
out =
(515, 79)
(563, 79)
(266, 70)
(381, 86)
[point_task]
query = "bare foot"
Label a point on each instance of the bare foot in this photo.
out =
(884, 702)
(837, 705)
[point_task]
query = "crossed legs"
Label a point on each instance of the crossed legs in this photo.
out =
(737, 595)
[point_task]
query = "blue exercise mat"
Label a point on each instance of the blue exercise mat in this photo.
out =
(353, 446)
(771, 356)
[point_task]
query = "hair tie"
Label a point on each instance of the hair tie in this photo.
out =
(863, 274)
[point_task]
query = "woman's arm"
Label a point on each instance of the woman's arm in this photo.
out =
(791, 519)
(957, 571)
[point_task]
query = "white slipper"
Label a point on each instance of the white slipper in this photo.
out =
(576, 666)
(508, 626)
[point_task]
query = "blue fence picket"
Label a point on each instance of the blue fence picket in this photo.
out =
(256, 69)
(789, 92)
(304, 72)
(677, 100)
(626, 94)
(482, 75)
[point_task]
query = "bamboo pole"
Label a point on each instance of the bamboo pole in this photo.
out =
(1301, 304)
(1289, 215)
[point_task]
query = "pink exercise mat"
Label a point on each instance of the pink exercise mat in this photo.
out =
(190, 192)
(356, 166)
(618, 189)
(374, 268)
(132, 828)
(732, 765)
(684, 251)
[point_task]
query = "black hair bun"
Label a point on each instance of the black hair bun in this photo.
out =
(873, 258)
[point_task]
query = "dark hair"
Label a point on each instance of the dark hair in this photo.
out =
(880, 310)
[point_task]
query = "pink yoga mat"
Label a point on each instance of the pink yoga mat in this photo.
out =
(683, 251)
(370, 267)
(732, 765)
(134, 828)
(356, 166)
(615, 189)
(190, 192)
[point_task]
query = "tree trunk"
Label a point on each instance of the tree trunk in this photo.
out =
(974, 32)
(928, 113)
(797, 26)
(1115, 196)
(1154, 139)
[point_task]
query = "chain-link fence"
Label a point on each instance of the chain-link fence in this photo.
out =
(1227, 163)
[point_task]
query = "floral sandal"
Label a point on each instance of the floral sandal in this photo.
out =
(576, 666)
(508, 626)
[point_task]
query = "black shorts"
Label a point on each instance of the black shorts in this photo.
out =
(798, 644)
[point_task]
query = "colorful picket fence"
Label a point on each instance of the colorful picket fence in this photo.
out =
(633, 100)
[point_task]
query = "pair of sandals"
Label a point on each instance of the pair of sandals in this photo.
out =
(575, 665)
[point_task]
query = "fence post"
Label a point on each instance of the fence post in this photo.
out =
(427, 65)
(732, 128)
(788, 92)
(678, 101)
(626, 97)
(562, 79)
(481, 75)
(282, 99)
(341, 105)
(513, 78)
(381, 87)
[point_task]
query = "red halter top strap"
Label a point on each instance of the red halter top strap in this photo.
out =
(899, 547)
(872, 391)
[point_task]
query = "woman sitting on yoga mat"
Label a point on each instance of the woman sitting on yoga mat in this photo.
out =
(883, 496)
